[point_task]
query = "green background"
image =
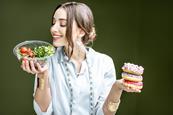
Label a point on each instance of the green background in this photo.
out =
(137, 31)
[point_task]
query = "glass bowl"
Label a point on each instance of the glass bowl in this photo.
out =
(34, 50)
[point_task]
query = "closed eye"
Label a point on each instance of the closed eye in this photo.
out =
(62, 22)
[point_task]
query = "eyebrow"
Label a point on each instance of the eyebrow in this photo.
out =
(63, 19)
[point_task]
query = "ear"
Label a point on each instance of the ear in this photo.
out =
(81, 33)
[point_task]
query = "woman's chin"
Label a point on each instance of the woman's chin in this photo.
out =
(57, 44)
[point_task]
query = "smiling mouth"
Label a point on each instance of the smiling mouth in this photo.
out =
(57, 37)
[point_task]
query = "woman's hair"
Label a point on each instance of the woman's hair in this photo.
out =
(82, 15)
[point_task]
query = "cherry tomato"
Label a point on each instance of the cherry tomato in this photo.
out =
(31, 54)
(23, 50)
(29, 50)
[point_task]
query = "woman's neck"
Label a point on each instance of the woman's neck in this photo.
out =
(78, 53)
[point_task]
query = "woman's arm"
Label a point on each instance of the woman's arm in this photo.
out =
(113, 100)
(42, 93)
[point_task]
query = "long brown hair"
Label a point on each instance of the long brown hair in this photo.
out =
(82, 15)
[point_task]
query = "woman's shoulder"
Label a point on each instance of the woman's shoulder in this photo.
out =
(99, 55)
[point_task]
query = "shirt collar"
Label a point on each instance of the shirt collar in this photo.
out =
(61, 56)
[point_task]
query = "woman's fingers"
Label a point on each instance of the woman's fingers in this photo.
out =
(41, 68)
(23, 65)
(28, 68)
(33, 69)
(127, 87)
(131, 89)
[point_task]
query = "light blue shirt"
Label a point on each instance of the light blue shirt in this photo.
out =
(103, 73)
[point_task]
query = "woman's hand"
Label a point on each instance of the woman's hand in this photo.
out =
(30, 66)
(123, 86)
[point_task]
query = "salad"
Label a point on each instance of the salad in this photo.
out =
(38, 52)
(34, 49)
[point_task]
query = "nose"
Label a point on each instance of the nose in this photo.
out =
(54, 28)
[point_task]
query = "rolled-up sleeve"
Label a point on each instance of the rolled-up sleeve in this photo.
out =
(36, 106)
(109, 79)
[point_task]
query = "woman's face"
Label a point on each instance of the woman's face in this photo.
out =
(58, 29)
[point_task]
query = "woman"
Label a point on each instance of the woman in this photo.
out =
(77, 80)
